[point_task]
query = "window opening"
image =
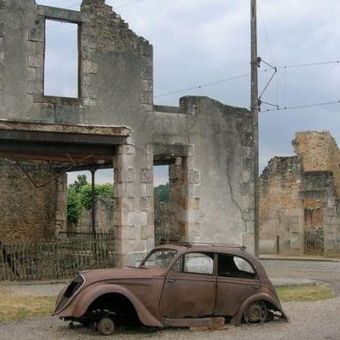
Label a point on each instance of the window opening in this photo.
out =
(162, 204)
(235, 266)
(195, 263)
(61, 64)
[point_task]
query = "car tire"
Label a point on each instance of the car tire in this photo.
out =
(256, 312)
(105, 326)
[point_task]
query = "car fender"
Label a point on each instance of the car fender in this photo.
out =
(263, 297)
(83, 300)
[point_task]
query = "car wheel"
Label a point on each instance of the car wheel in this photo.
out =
(105, 326)
(256, 312)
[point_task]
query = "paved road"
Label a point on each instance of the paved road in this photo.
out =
(326, 272)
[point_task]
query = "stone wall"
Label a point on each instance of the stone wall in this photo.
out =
(214, 142)
(281, 210)
(298, 195)
(27, 212)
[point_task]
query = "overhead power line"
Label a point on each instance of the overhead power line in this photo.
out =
(309, 64)
(284, 108)
(204, 85)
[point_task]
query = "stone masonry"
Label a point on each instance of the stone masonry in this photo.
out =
(26, 211)
(209, 146)
(299, 205)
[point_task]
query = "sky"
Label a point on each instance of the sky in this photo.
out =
(198, 42)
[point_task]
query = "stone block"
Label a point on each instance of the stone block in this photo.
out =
(137, 218)
(129, 175)
(88, 102)
(2, 58)
(89, 80)
(89, 67)
(36, 34)
(32, 86)
(194, 203)
(124, 175)
(2, 44)
(2, 5)
(246, 176)
(193, 229)
(146, 175)
(35, 61)
(146, 203)
(131, 204)
(194, 177)
(2, 30)
(120, 218)
(148, 232)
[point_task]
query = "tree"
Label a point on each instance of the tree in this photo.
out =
(73, 205)
(162, 193)
(80, 182)
(101, 191)
(79, 196)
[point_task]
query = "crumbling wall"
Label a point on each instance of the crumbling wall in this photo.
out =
(318, 151)
(281, 209)
(214, 141)
(299, 198)
(27, 212)
(219, 197)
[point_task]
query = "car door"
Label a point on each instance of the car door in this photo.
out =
(190, 287)
(236, 281)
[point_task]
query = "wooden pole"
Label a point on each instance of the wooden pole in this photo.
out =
(255, 113)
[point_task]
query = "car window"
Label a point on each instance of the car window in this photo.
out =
(195, 263)
(160, 258)
(235, 266)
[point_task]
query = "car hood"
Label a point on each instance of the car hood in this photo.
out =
(126, 273)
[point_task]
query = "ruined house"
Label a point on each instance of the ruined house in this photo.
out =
(300, 199)
(114, 123)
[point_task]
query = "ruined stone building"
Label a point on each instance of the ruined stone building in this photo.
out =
(114, 123)
(300, 198)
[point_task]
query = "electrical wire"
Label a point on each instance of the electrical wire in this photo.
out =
(204, 85)
(309, 64)
(284, 108)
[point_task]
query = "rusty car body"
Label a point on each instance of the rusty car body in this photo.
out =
(174, 286)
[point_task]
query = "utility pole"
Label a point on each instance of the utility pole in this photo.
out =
(254, 106)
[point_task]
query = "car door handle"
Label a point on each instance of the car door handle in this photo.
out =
(171, 281)
(254, 287)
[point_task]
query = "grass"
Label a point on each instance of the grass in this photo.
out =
(14, 307)
(305, 293)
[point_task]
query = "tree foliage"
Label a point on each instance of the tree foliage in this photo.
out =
(162, 193)
(100, 191)
(73, 205)
(79, 196)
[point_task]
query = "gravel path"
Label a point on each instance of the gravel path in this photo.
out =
(312, 321)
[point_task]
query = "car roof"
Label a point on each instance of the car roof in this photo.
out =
(231, 249)
(207, 247)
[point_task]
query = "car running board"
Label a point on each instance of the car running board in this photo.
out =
(207, 323)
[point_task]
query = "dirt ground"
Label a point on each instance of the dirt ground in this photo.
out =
(312, 321)
(308, 320)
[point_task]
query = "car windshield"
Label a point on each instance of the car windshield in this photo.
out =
(160, 258)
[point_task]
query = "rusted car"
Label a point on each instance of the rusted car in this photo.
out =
(174, 286)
